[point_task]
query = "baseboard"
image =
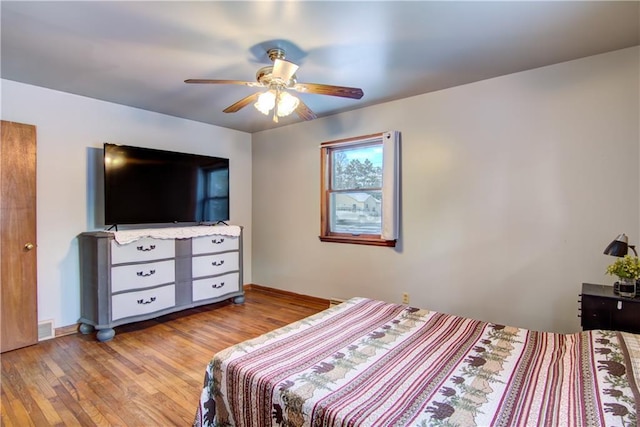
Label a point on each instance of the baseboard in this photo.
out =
(67, 330)
(288, 294)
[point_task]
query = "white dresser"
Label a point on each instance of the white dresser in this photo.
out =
(151, 277)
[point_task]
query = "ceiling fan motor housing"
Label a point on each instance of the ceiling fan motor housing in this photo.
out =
(265, 76)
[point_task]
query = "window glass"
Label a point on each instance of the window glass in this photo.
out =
(357, 167)
(216, 201)
(356, 189)
(356, 212)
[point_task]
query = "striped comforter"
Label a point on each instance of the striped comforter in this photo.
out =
(370, 363)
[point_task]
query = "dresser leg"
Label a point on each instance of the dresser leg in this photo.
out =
(86, 328)
(239, 299)
(105, 334)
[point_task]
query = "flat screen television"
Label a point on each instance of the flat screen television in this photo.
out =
(149, 186)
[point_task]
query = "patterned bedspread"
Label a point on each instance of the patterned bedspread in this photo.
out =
(370, 363)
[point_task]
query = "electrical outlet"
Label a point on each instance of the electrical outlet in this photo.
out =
(405, 298)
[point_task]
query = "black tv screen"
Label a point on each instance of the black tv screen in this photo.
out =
(148, 186)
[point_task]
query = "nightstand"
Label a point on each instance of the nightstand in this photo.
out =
(602, 309)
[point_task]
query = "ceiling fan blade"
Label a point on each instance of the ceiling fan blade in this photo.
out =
(320, 89)
(224, 82)
(242, 103)
(305, 112)
(283, 69)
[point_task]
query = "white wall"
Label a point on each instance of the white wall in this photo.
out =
(69, 130)
(511, 189)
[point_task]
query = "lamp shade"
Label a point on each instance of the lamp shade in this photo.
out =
(287, 103)
(619, 247)
(266, 102)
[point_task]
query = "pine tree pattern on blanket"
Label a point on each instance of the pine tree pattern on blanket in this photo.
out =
(370, 363)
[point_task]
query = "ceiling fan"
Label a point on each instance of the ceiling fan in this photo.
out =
(278, 79)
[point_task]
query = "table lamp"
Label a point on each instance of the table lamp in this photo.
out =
(619, 247)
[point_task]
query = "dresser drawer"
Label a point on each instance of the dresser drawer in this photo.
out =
(137, 276)
(212, 244)
(142, 250)
(215, 286)
(142, 302)
(210, 265)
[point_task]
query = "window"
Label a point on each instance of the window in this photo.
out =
(216, 193)
(359, 190)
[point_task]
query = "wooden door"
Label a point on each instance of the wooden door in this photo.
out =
(18, 286)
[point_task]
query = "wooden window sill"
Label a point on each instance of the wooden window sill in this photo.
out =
(358, 241)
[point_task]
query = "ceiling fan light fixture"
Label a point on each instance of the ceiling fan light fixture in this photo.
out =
(287, 103)
(266, 102)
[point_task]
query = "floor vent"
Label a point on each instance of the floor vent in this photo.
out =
(46, 330)
(335, 301)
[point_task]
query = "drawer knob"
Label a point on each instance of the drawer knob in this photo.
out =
(217, 263)
(217, 241)
(147, 249)
(217, 286)
(143, 274)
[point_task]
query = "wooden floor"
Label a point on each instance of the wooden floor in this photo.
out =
(150, 374)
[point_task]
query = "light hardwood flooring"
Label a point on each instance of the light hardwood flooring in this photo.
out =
(150, 374)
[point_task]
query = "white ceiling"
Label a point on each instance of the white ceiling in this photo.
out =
(139, 53)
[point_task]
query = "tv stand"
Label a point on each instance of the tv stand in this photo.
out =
(151, 277)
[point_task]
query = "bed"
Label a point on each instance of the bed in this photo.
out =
(371, 363)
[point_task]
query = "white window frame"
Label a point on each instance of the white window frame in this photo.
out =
(390, 142)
